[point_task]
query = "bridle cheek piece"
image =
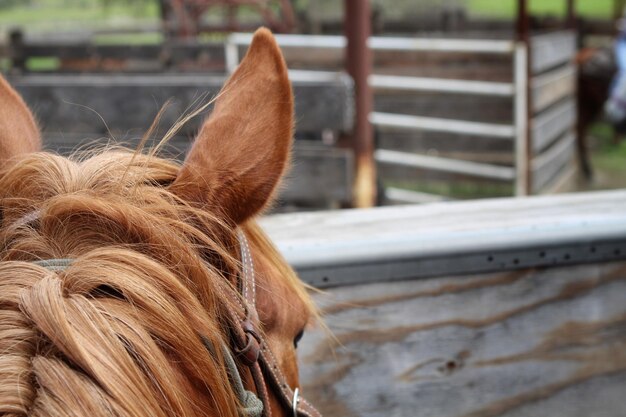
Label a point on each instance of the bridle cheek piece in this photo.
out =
(252, 350)
(249, 355)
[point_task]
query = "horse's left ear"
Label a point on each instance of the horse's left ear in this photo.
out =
(242, 149)
(19, 133)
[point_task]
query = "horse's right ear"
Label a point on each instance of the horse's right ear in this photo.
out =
(242, 149)
(19, 133)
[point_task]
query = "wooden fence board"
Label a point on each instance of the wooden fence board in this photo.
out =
(547, 166)
(551, 50)
(129, 103)
(319, 175)
(550, 125)
(511, 344)
(496, 172)
(175, 51)
(436, 124)
(552, 87)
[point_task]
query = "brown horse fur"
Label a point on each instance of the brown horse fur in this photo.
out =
(118, 332)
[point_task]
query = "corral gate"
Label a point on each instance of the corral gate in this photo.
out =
(541, 88)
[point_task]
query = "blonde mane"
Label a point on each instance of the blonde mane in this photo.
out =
(120, 330)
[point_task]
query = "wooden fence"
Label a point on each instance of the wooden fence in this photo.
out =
(78, 109)
(553, 109)
(81, 54)
(538, 163)
(509, 307)
(530, 150)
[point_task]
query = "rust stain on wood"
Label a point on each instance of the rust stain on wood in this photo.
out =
(321, 390)
(580, 350)
(599, 348)
(498, 408)
(569, 292)
(398, 333)
(453, 288)
(509, 404)
(576, 341)
(447, 366)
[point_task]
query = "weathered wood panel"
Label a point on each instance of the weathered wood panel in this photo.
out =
(127, 104)
(547, 167)
(174, 51)
(552, 87)
(319, 175)
(549, 125)
(496, 172)
(544, 334)
(551, 50)
(519, 343)
(403, 121)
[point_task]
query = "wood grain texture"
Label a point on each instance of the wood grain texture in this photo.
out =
(553, 86)
(550, 124)
(552, 49)
(532, 342)
(549, 166)
(128, 103)
(319, 175)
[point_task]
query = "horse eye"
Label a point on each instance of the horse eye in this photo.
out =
(297, 338)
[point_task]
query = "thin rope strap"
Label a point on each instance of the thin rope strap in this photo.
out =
(252, 406)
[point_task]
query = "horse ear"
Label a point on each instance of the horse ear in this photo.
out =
(242, 149)
(19, 133)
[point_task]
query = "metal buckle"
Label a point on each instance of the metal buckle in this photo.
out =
(294, 402)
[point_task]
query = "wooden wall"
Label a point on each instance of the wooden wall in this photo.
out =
(531, 342)
(510, 307)
(75, 110)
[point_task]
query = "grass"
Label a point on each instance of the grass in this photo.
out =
(129, 39)
(608, 156)
(43, 64)
(59, 15)
(65, 15)
(460, 190)
(507, 8)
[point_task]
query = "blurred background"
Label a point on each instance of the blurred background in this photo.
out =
(443, 120)
(510, 307)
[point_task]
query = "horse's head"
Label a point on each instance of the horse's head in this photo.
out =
(128, 282)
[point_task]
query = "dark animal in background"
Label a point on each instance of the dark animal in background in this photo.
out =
(597, 67)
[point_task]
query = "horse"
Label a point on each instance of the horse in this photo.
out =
(597, 68)
(133, 285)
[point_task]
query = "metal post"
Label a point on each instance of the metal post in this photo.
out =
(359, 65)
(523, 37)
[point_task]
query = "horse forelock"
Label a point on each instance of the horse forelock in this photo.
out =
(121, 328)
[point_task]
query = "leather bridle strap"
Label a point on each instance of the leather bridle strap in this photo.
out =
(270, 368)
